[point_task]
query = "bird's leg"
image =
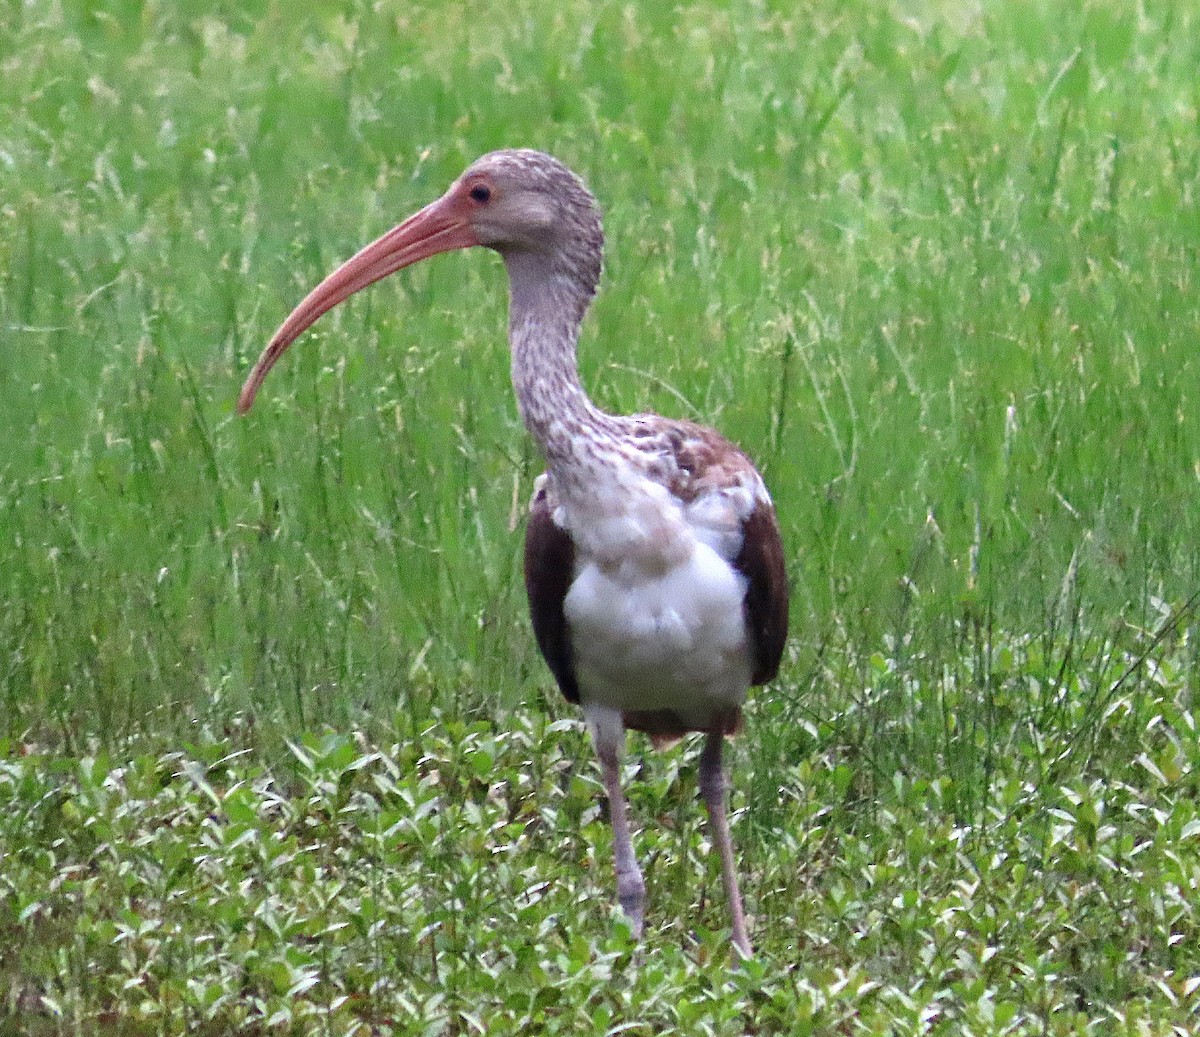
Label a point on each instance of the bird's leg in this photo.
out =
(608, 736)
(712, 788)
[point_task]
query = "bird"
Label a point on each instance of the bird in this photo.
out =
(653, 562)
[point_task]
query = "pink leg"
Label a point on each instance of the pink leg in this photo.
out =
(609, 738)
(712, 788)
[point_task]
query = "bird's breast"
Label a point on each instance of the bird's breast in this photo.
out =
(675, 640)
(656, 608)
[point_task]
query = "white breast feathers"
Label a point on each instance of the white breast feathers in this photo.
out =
(656, 608)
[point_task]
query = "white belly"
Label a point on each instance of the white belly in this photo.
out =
(672, 641)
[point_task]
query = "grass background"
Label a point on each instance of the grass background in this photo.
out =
(278, 752)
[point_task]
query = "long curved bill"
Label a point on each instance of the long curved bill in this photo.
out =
(440, 227)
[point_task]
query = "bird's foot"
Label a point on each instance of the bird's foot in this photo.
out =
(631, 894)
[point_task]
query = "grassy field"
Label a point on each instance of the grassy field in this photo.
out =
(277, 754)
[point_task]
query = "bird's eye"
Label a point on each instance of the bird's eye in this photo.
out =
(480, 193)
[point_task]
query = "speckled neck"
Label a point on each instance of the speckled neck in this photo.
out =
(547, 303)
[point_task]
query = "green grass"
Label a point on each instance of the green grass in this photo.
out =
(278, 752)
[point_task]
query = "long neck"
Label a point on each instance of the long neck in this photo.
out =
(546, 308)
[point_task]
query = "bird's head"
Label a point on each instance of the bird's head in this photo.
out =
(520, 203)
(527, 200)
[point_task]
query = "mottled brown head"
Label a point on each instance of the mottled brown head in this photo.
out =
(521, 203)
(531, 202)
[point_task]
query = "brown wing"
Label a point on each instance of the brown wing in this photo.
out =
(549, 570)
(761, 562)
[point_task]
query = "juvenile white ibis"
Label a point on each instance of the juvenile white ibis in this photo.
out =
(653, 563)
